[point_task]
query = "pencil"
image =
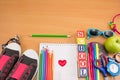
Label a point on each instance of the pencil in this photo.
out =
(43, 75)
(48, 72)
(51, 72)
(51, 35)
(89, 76)
(44, 56)
(52, 59)
(89, 65)
(47, 63)
(97, 53)
(40, 67)
(95, 57)
(50, 67)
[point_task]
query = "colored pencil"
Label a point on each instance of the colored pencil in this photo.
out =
(95, 57)
(43, 64)
(48, 67)
(51, 35)
(40, 67)
(87, 77)
(42, 74)
(97, 53)
(89, 65)
(52, 59)
(89, 70)
(51, 67)
(45, 58)
(47, 63)
(92, 60)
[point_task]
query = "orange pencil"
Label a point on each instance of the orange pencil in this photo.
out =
(51, 70)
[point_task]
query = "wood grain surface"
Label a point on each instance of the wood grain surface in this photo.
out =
(25, 17)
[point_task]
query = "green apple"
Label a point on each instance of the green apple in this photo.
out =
(112, 44)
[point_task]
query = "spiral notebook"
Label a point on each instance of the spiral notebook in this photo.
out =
(65, 60)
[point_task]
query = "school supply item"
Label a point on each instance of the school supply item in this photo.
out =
(113, 68)
(93, 32)
(97, 57)
(102, 63)
(117, 57)
(91, 68)
(113, 25)
(94, 50)
(45, 71)
(82, 57)
(9, 56)
(26, 67)
(64, 60)
(52, 35)
(89, 64)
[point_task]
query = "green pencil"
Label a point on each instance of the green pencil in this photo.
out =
(40, 67)
(52, 35)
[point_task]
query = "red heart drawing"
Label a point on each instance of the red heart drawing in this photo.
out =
(62, 62)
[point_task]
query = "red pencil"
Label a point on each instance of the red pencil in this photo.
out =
(52, 57)
(89, 76)
(89, 66)
(91, 63)
(47, 64)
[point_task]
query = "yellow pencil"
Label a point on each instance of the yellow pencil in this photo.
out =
(97, 53)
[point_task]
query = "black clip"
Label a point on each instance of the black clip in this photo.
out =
(15, 39)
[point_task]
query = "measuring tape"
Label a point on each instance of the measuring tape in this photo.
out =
(113, 68)
(117, 57)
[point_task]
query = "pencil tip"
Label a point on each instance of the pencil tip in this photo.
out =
(29, 35)
(68, 36)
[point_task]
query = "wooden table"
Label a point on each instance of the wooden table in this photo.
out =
(25, 17)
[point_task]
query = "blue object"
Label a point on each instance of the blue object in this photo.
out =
(81, 48)
(102, 62)
(42, 73)
(43, 64)
(95, 57)
(113, 68)
(83, 72)
(93, 32)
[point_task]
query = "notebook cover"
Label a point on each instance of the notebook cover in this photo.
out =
(65, 60)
